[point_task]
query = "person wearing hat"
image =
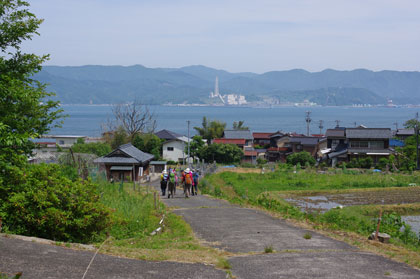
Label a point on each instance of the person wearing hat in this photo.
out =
(188, 181)
(164, 181)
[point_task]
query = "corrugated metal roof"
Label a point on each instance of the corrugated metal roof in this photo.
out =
(238, 134)
(118, 168)
(368, 133)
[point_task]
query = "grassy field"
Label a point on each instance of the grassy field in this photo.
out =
(268, 191)
(134, 219)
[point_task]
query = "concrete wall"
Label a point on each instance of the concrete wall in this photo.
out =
(177, 153)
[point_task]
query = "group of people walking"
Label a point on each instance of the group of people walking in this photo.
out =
(169, 180)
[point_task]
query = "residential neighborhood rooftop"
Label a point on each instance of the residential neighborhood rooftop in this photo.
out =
(238, 134)
(167, 135)
(368, 133)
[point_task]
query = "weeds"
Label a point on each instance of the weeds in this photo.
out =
(307, 236)
(268, 249)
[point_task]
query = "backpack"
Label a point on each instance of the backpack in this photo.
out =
(195, 176)
(165, 177)
(172, 177)
(188, 178)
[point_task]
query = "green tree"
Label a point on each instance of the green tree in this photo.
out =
(221, 153)
(302, 158)
(97, 148)
(25, 109)
(149, 143)
(196, 146)
(211, 130)
(239, 125)
(411, 123)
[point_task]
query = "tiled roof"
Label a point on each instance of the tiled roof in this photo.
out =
(167, 135)
(335, 133)
(133, 156)
(238, 134)
(405, 132)
(368, 133)
(261, 135)
(305, 140)
(230, 141)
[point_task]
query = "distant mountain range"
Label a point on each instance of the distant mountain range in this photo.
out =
(192, 84)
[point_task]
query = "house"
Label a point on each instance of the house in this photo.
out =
(174, 150)
(403, 134)
(262, 139)
(65, 141)
(368, 142)
(125, 163)
(308, 144)
(239, 134)
(344, 144)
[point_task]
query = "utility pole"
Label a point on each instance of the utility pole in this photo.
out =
(417, 141)
(188, 160)
(321, 126)
(355, 124)
(396, 125)
(308, 121)
(337, 122)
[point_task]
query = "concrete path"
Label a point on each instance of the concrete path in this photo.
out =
(44, 261)
(249, 232)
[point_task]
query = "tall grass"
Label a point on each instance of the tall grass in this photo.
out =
(133, 213)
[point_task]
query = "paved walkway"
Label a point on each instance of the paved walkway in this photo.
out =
(249, 231)
(44, 261)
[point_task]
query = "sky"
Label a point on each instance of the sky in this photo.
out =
(234, 35)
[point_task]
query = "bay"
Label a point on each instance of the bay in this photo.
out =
(87, 119)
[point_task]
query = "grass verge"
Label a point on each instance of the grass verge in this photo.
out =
(134, 217)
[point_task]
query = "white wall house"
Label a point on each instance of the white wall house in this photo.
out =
(174, 150)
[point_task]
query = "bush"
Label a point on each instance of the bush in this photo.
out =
(97, 148)
(302, 158)
(43, 202)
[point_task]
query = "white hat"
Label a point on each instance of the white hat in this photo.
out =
(164, 172)
(187, 170)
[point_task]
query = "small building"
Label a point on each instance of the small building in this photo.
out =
(157, 166)
(126, 163)
(173, 149)
(262, 139)
(239, 134)
(403, 134)
(65, 141)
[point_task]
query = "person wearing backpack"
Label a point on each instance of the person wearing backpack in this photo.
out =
(195, 181)
(164, 181)
(188, 180)
(171, 184)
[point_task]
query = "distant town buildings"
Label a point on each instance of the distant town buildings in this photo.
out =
(229, 99)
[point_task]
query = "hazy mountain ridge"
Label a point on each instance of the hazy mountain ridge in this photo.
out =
(192, 84)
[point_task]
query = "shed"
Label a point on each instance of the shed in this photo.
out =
(126, 163)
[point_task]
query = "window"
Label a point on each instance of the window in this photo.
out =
(359, 144)
(376, 144)
(61, 142)
(170, 148)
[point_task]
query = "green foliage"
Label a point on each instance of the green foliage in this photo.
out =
(383, 162)
(97, 148)
(239, 125)
(40, 200)
(221, 153)
(133, 214)
(261, 161)
(149, 143)
(25, 108)
(196, 146)
(411, 123)
(301, 158)
(117, 137)
(211, 130)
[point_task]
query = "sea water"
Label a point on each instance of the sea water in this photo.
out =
(88, 119)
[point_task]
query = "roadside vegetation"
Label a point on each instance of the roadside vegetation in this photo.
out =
(270, 190)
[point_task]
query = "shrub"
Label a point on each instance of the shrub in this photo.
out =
(302, 158)
(44, 202)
